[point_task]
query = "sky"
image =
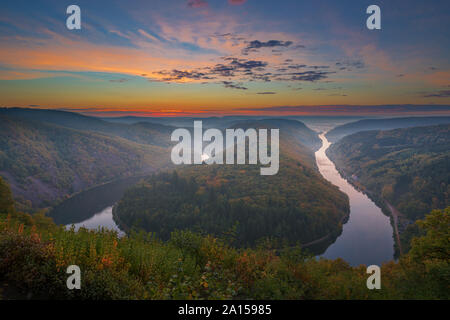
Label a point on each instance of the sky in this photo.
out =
(221, 57)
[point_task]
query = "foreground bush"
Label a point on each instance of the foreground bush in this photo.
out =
(35, 253)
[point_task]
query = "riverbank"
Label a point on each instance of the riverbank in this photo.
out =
(386, 208)
(353, 238)
(86, 204)
(367, 224)
(395, 215)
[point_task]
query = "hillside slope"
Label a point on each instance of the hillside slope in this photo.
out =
(383, 124)
(34, 255)
(45, 163)
(409, 168)
(143, 132)
(296, 205)
(293, 130)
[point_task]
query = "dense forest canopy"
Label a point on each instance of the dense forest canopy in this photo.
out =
(44, 162)
(204, 219)
(6, 198)
(48, 155)
(34, 255)
(296, 205)
(409, 168)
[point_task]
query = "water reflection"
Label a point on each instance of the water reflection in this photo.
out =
(93, 208)
(367, 237)
(102, 219)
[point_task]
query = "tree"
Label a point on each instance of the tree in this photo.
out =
(435, 245)
(6, 198)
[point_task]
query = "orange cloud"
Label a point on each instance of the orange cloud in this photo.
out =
(236, 2)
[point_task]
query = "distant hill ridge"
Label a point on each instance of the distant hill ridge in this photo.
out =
(47, 155)
(147, 133)
(292, 129)
(383, 124)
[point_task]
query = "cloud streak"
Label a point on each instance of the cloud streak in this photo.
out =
(197, 4)
(231, 85)
(244, 70)
(254, 45)
(235, 46)
(439, 94)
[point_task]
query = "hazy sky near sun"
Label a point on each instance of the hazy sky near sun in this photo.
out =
(222, 56)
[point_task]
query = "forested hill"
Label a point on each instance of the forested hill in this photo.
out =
(410, 168)
(209, 122)
(296, 205)
(383, 124)
(34, 255)
(141, 132)
(45, 162)
(293, 130)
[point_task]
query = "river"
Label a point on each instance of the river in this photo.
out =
(367, 237)
(103, 219)
(93, 208)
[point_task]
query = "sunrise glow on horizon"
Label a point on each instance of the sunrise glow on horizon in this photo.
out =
(230, 57)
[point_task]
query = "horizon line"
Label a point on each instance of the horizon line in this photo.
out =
(300, 110)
